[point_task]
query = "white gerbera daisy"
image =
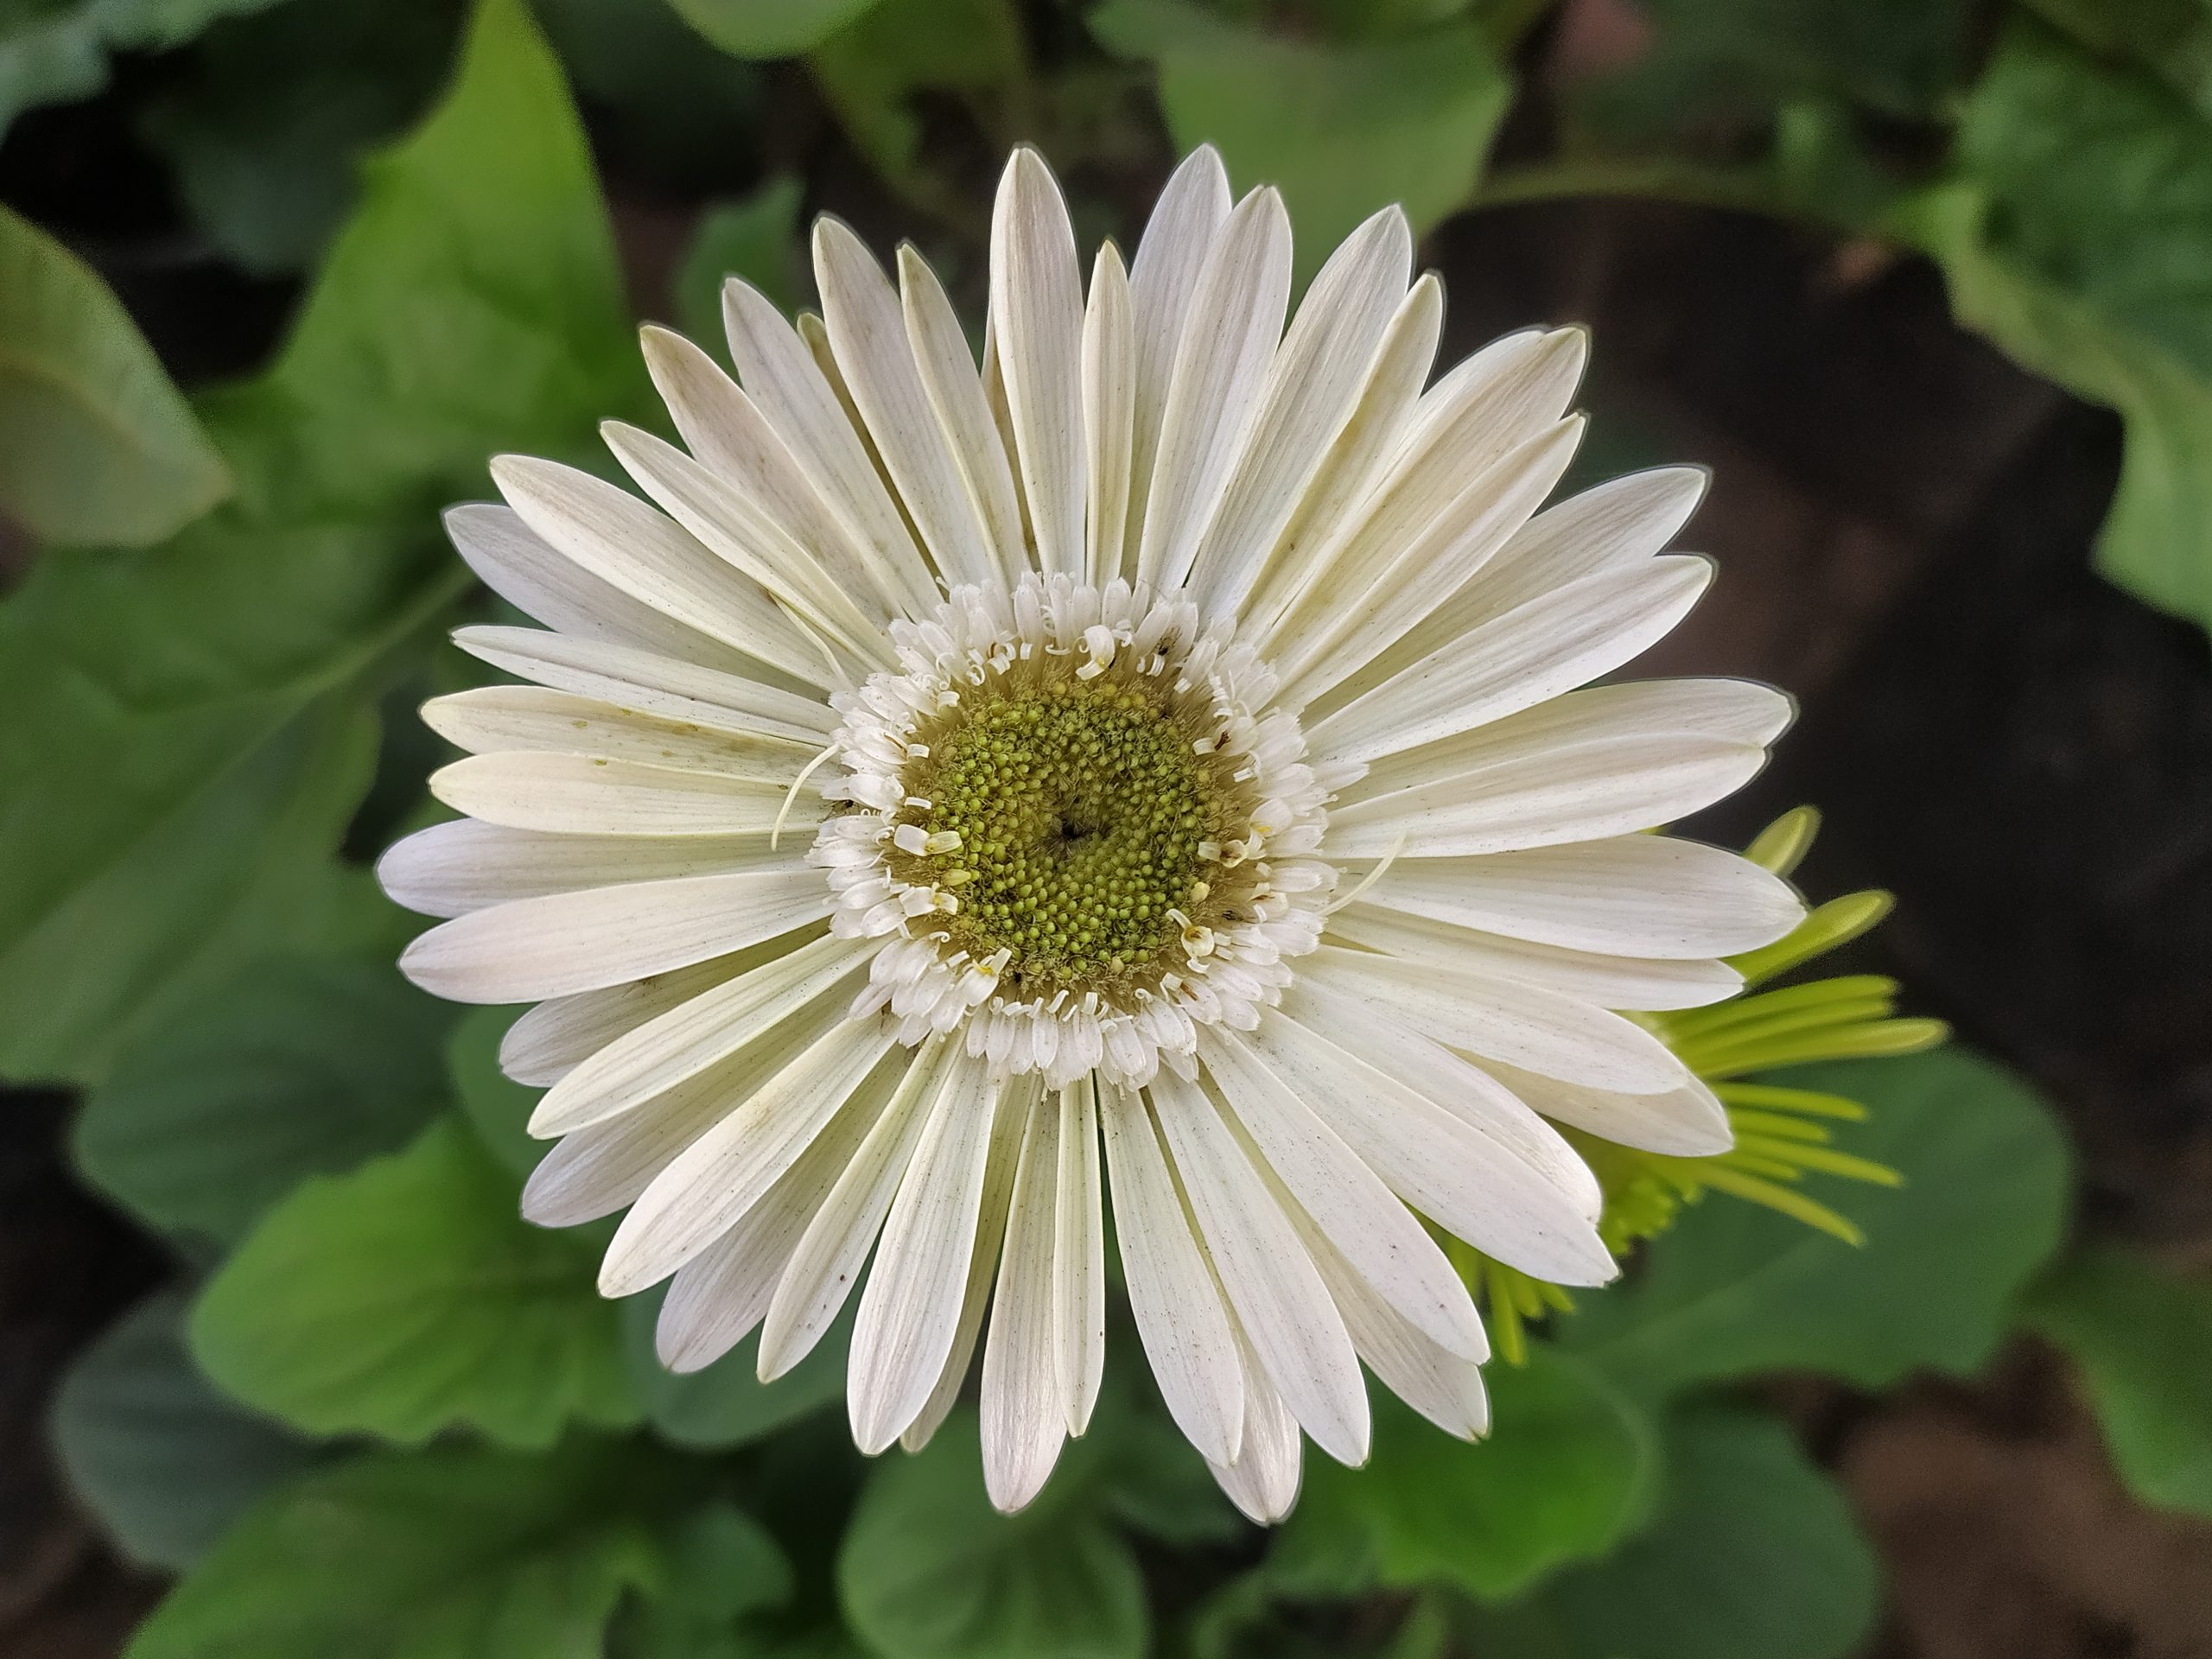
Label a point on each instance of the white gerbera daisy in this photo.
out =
(1167, 736)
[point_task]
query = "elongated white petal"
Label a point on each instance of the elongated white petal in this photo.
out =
(550, 1040)
(536, 948)
(724, 1173)
(1312, 388)
(630, 678)
(1221, 362)
(1686, 1122)
(1444, 1387)
(1488, 1170)
(1633, 895)
(1024, 1424)
(498, 718)
(1186, 1329)
(1263, 1481)
(1109, 392)
(687, 1039)
(955, 395)
(1078, 1258)
(1523, 1025)
(783, 378)
(1610, 981)
(910, 1310)
(826, 1263)
(450, 869)
(1036, 311)
(1281, 1304)
(1347, 1202)
(585, 795)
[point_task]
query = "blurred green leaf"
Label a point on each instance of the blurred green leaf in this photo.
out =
(2172, 39)
(454, 1552)
(726, 1404)
(163, 1461)
(240, 868)
(1571, 1467)
(929, 1570)
(1736, 1289)
(2074, 236)
(871, 71)
(723, 1567)
(769, 29)
(2142, 1336)
(96, 446)
(757, 238)
(53, 51)
(472, 304)
(410, 1297)
(497, 1107)
(1343, 129)
(293, 1068)
(660, 106)
(269, 116)
(1754, 1555)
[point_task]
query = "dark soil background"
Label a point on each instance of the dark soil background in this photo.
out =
(2022, 753)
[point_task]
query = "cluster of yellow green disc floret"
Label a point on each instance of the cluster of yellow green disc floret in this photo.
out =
(1782, 1135)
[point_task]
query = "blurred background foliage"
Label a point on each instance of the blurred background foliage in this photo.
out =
(364, 1408)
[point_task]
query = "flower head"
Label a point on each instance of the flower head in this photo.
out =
(1148, 770)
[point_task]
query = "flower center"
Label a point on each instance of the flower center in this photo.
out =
(1081, 809)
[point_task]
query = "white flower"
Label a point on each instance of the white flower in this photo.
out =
(1169, 735)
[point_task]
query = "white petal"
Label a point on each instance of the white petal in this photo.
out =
(553, 1038)
(1347, 1202)
(1312, 388)
(724, 1173)
(1610, 982)
(1487, 1170)
(493, 719)
(780, 373)
(910, 1310)
(1566, 639)
(869, 333)
(1444, 1387)
(1499, 1019)
(450, 869)
(687, 1039)
(1221, 363)
(1023, 1423)
(630, 678)
(1037, 311)
(729, 435)
(1263, 1481)
(536, 948)
(517, 563)
(1688, 1121)
(1615, 524)
(584, 795)
(1634, 895)
(624, 541)
(1078, 1259)
(1280, 1303)
(1186, 1333)
(1110, 391)
(955, 394)
(826, 1264)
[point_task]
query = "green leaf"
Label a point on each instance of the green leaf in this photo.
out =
(53, 51)
(497, 1107)
(454, 1553)
(408, 1298)
(661, 108)
(756, 238)
(2071, 235)
(871, 71)
(164, 1462)
(769, 29)
(726, 1404)
(96, 446)
(1344, 130)
(1570, 1467)
(2142, 1336)
(472, 304)
(724, 1567)
(241, 869)
(293, 1068)
(267, 119)
(2172, 39)
(1736, 1289)
(1754, 1555)
(929, 1570)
